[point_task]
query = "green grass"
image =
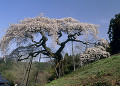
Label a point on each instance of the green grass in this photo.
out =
(105, 72)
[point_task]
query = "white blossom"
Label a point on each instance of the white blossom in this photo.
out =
(95, 53)
(103, 42)
(30, 26)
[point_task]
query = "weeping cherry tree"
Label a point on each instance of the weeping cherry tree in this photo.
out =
(23, 34)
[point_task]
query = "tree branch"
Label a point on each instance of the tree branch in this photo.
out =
(33, 54)
(48, 50)
(59, 35)
(71, 37)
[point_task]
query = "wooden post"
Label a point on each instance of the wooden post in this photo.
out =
(73, 57)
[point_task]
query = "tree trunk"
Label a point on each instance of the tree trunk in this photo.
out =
(59, 65)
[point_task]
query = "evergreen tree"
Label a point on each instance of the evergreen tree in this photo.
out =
(114, 34)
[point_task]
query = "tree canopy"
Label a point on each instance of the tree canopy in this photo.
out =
(25, 31)
(53, 27)
(114, 34)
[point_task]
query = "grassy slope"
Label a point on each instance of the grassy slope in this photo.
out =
(104, 72)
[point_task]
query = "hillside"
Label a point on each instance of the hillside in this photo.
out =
(105, 72)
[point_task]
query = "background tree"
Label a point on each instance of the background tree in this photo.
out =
(16, 72)
(68, 63)
(114, 34)
(23, 34)
(95, 53)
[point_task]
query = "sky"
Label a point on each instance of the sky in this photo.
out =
(97, 12)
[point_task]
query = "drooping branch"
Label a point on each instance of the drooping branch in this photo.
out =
(38, 52)
(33, 54)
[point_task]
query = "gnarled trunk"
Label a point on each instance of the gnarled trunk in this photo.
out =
(59, 64)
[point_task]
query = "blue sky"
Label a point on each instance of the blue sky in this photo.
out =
(91, 11)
